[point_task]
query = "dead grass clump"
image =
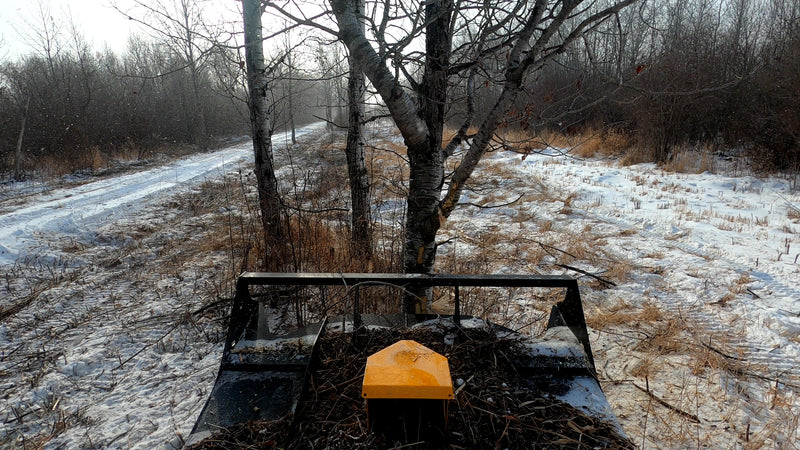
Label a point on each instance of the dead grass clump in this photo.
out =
(592, 142)
(545, 225)
(582, 246)
(793, 214)
(703, 360)
(649, 318)
(637, 155)
(646, 367)
(550, 138)
(449, 133)
(690, 160)
(586, 143)
(738, 287)
(615, 314)
(706, 358)
(588, 146)
(90, 160)
(388, 166)
(662, 337)
(521, 141)
(618, 271)
(616, 142)
(319, 245)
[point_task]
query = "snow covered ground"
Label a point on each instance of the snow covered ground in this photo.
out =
(104, 339)
(109, 336)
(705, 313)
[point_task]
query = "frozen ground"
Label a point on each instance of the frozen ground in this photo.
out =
(110, 330)
(109, 335)
(697, 342)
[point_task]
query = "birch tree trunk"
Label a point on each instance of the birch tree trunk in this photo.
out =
(269, 199)
(18, 151)
(291, 87)
(361, 234)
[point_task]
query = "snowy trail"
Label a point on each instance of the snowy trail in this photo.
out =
(78, 210)
(120, 328)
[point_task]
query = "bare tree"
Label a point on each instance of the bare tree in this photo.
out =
(18, 152)
(181, 25)
(290, 82)
(524, 36)
(258, 101)
(330, 63)
(361, 236)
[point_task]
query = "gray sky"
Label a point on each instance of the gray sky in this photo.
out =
(100, 24)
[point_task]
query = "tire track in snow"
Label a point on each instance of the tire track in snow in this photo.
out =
(759, 354)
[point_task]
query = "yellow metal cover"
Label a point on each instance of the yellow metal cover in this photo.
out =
(407, 369)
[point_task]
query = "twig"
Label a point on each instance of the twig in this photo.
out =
(211, 305)
(503, 434)
(460, 388)
(314, 211)
(410, 445)
(546, 246)
(3, 358)
(663, 403)
(148, 345)
(24, 303)
(722, 354)
(493, 206)
(596, 277)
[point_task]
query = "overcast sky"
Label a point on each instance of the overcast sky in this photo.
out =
(100, 24)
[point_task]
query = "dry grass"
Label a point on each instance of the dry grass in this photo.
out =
(687, 379)
(622, 312)
(101, 161)
(793, 213)
(521, 141)
(590, 142)
(637, 155)
(691, 160)
(593, 143)
(449, 133)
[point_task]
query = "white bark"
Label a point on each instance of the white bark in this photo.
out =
(269, 200)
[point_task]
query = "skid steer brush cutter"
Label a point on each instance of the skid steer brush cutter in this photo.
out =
(263, 374)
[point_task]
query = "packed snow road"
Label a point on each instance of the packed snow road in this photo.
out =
(80, 209)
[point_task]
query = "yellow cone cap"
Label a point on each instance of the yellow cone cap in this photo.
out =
(407, 369)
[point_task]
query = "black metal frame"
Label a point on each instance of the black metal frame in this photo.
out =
(568, 312)
(266, 385)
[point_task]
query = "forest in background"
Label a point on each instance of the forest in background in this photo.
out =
(704, 75)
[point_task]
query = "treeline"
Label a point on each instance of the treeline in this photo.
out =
(679, 74)
(77, 102)
(723, 75)
(67, 107)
